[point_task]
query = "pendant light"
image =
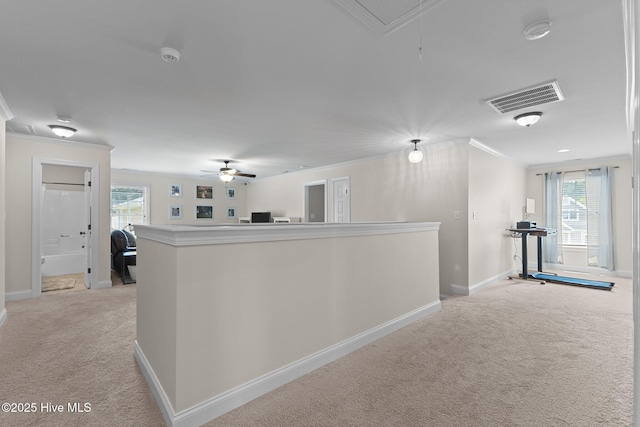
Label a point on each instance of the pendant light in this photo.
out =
(416, 155)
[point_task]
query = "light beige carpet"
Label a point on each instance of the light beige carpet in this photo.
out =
(514, 354)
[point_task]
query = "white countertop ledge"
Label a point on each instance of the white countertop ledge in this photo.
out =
(216, 234)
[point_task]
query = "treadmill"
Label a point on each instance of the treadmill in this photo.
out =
(541, 232)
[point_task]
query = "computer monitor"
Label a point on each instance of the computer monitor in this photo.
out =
(260, 217)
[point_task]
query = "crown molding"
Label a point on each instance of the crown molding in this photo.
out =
(50, 140)
(4, 109)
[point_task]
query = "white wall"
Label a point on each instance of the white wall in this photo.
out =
(496, 201)
(160, 200)
(209, 326)
(574, 258)
(389, 188)
(20, 151)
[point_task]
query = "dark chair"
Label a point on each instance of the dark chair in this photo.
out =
(123, 254)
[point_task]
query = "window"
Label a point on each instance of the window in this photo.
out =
(579, 205)
(129, 205)
(574, 209)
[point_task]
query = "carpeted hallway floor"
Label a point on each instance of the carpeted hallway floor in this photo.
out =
(514, 354)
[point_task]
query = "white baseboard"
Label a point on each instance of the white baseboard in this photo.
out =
(463, 290)
(627, 274)
(102, 284)
(212, 408)
(3, 316)
(17, 295)
(596, 271)
(154, 384)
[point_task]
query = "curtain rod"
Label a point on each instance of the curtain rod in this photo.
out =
(62, 183)
(578, 170)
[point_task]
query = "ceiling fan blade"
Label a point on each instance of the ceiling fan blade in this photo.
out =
(246, 175)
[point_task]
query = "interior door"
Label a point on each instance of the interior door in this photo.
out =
(341, 200)
(87, 230)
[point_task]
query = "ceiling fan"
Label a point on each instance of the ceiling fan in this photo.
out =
(227, 174)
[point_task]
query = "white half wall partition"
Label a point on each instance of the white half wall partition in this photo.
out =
(227, 313)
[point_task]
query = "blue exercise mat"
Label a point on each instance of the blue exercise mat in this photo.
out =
(572, 281)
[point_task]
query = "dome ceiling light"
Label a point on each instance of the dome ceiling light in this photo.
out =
(528, 119)
(62, 131)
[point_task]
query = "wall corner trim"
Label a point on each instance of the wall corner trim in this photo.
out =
(4, 109)
(212, 408)
(3, 317)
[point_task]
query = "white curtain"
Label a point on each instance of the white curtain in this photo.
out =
(552, 249)
(599, 218)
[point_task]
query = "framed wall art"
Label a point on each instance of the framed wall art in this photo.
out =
(175, 190)
(231, 192)
(175, 212)
(204, 192)
(204, 212)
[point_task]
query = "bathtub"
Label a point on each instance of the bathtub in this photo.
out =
(62, 258)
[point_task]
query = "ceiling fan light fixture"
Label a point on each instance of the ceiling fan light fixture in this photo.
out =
(528, 119)
(416, 155)
(224, 177)
(62, 131)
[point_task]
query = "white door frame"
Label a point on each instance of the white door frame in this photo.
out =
(36, 220)
(306, 198)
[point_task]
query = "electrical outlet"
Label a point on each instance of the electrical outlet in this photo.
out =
(456, 214)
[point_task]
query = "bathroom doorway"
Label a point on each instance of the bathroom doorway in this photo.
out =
(63, 215)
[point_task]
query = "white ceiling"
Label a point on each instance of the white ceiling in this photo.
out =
(281, 84)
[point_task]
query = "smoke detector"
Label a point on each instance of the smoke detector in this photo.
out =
(537, 30)
(169, 55)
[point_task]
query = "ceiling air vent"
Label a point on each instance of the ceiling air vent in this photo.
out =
(525, 98)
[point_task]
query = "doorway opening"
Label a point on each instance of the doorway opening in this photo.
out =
(64, 208)
(315, 201)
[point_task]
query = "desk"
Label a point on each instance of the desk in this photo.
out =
(524, 233)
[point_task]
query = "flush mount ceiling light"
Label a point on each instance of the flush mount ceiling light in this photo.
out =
(537, 30)
(169, 55)
(416, 155)
(62, 131)
(527, 119)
